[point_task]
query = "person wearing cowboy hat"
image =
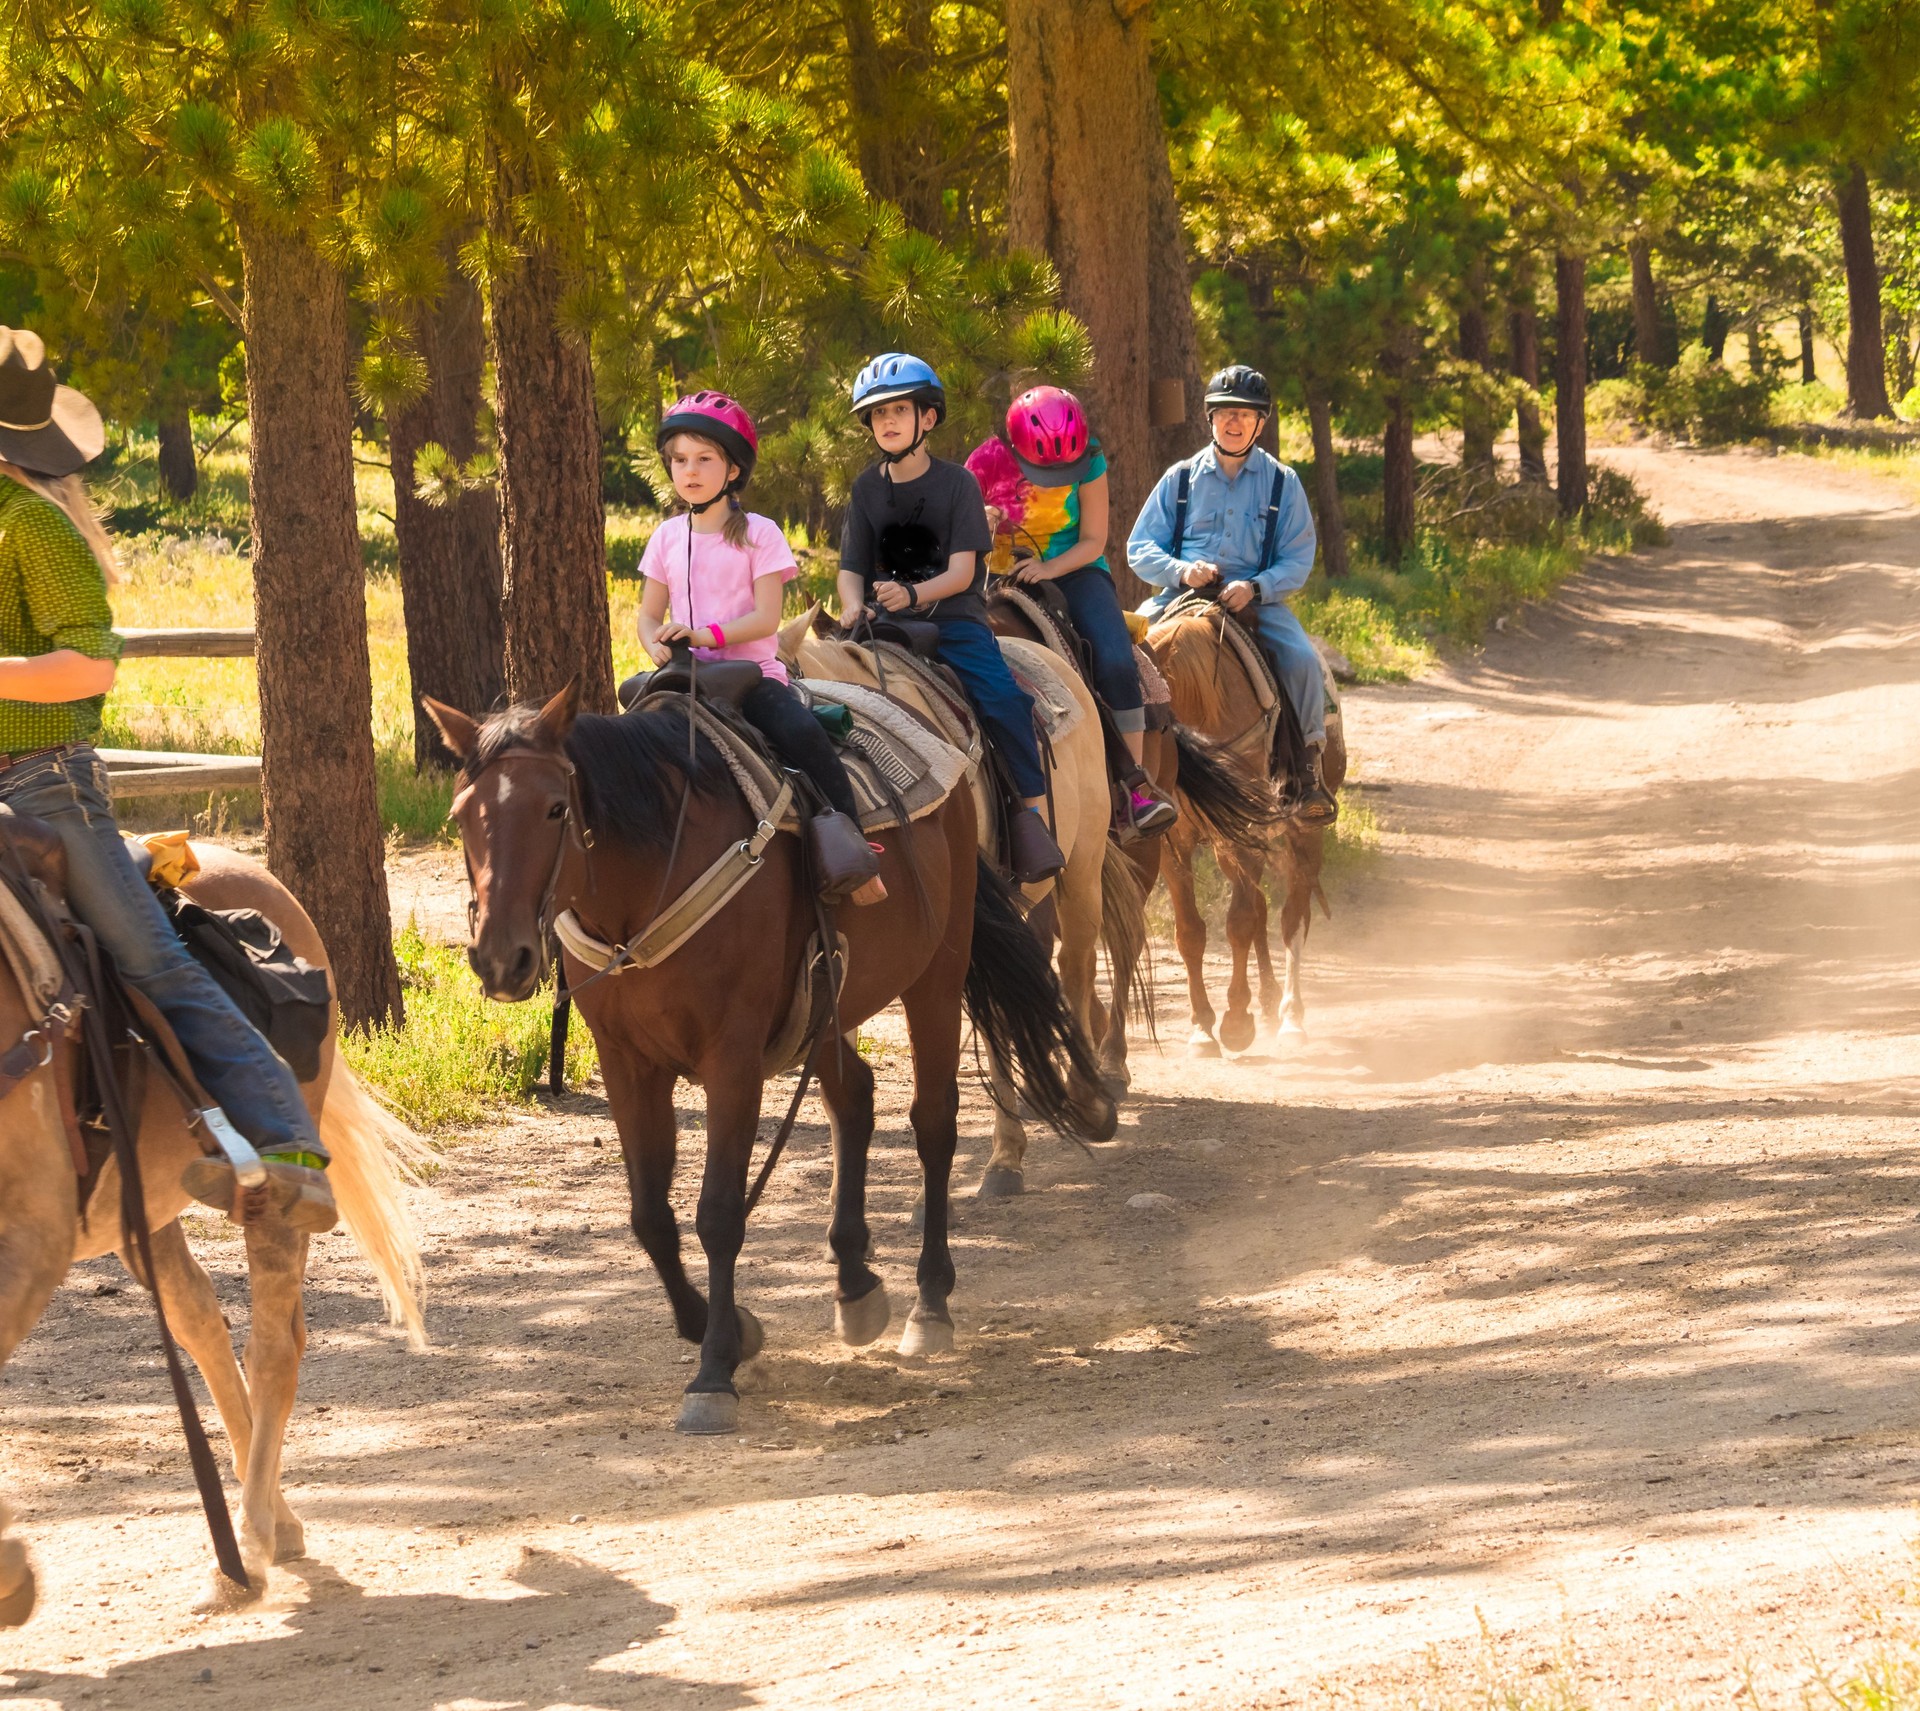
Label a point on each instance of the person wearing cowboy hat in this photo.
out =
(58, 657)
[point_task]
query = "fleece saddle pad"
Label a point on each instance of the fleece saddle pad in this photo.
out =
(1153, 687)
(901, 771)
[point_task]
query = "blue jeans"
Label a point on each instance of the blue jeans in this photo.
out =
(1292, 656)
(1095, 607)
(972, 650)
(234, 1063)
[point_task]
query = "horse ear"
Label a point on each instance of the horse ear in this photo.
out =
(556, 718)
(458, 731)
(793, 632)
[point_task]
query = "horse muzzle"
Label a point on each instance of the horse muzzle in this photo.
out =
(508, 972)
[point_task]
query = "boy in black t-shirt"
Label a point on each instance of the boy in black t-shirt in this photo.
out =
(915, 545)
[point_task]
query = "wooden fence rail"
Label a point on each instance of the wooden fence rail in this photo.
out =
(152, 772)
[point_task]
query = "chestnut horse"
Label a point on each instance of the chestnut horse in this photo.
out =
(612, 819)
(1213, 695)
(43, 1232)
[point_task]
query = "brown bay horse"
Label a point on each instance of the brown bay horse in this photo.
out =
(1213, 695)
(43, 1232)
(612, 818)
(1221, 803)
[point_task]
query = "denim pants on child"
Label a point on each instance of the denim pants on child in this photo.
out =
(68, 790)
(973, 651)
(1094, 605)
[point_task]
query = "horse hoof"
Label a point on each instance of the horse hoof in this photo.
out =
(1105, 1112)
(1002, 1182)
(289, 1541)
(1202, 1044)
(752, 1338)
(926, 1335)
(1293, 1027)
(223, 1594)
(18, 1604)
(1237, 1032)
(706, 1412)
(857, 1323)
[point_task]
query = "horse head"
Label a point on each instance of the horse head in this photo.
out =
(518, 812)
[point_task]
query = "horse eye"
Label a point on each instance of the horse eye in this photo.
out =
(557, 812)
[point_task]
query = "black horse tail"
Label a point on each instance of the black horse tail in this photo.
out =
(1014, 999)
(1228, 805)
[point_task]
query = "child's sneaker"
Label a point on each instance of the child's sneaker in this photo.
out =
(1149, 811)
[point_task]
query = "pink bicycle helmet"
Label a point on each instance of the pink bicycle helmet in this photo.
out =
(1050, 438)
(714, 416)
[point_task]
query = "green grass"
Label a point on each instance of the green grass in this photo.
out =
(460, 1056)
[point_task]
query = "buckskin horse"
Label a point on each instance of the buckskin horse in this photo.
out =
(1214, 695)
(44, 1231)
(609, 819)
(1096, 899)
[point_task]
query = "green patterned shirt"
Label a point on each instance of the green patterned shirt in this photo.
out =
(52, 596)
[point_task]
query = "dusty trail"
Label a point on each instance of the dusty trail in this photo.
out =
(1565, 1276)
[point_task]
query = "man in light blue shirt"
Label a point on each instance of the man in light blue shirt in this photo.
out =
(1245, 528)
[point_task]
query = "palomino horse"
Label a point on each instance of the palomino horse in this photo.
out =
(612, 819)
(42, 1233)
(1096, 898)
(1216, 798)
(1213, 694)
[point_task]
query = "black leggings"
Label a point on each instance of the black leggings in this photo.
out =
(796, 736)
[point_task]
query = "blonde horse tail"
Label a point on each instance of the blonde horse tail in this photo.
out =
(373, 1154)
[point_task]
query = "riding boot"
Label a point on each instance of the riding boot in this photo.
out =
(298, 1192)
(1032, 853)
(1315, 805)
(843, 860)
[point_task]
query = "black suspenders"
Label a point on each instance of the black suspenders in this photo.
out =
(1182, 491)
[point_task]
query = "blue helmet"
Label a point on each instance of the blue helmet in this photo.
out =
(898, 375)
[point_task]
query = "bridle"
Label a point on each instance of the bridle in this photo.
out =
(574, 832)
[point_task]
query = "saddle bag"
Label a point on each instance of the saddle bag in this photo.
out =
(281, 994)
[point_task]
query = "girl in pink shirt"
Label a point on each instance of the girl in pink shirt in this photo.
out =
(714, 578)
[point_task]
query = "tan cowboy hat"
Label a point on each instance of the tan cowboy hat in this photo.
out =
(49, 429)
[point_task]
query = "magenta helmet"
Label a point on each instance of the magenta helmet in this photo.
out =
(713, 416)
(1050, 438)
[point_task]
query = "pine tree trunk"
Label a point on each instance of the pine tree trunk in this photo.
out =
(179, 472)
(1399, 522)
(553, 527)
(1648, 339)
(1808, 373)
(1326, 485)
(1079, 95)
(449, 555)
(1866, 355)
(895, 140)
(1524, 334)
(310, 616)
(1715, 324)
(1570, 379)
(1173, 350)
(1477, 425)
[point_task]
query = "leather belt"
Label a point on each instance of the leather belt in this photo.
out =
(7, 762)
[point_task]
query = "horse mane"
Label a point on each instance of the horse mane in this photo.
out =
(1187, 648)
(630, 765)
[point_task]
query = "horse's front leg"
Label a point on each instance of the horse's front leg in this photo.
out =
(1246, 932)
(711, 1403)
(640, 1095)
(1190, 934)
(860, 1305)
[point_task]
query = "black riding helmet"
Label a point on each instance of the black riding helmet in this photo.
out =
(1240, 385)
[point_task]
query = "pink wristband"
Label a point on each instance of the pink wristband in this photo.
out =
(719, 635)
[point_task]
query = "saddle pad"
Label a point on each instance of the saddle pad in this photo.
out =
(1049, 680)
(35, 965)
(1259, 673)
(1035, 614)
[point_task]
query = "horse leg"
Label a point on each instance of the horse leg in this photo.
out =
(1006, 1168)
(1246, 928)
(38, 1225)
(860, 1305)
(933, 1010)
(1190, 934)
(711, 1403)
(1296, 915)
(1114, 1071)
(640, 1095)
(1080, 895)
(276, 1344)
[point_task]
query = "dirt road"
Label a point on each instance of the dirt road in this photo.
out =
(1563, 1280)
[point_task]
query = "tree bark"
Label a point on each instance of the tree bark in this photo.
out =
(1173, 349)
(310, 616)
(1808, 373)
(895, 141)
(1866, 355)
(449, 555)
(1715, 324)
(1079, 96)
(553, 526)
(1524, 334)
(1649, 339)
(179, 472)
(1477, 426)
(1399, 522)
(1326, 485)
(1570, 379)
